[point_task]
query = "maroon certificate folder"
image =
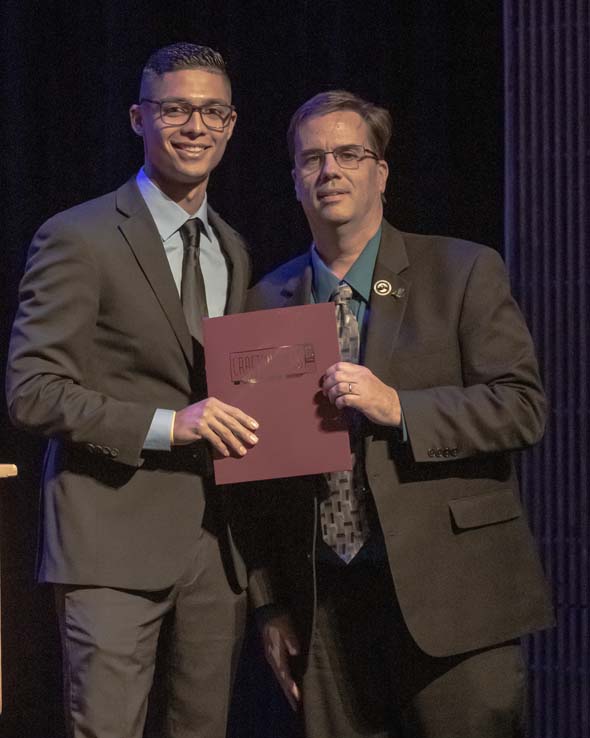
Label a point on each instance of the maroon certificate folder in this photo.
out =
(269, 364)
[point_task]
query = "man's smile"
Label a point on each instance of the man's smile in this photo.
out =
(190, 149)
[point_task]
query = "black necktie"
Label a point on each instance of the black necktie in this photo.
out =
(192, 288)
(343, 516)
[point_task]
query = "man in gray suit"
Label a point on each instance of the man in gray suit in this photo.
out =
(106, 362)
(391, 598)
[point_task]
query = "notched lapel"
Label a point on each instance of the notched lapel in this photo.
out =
(141, 234)
(297, 290)
(387, 310)
(239, 271)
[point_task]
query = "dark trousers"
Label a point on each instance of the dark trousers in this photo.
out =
(366, 676)
(110, 638)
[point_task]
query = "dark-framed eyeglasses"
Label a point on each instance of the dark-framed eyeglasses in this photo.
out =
(216, 116)
(347, 157)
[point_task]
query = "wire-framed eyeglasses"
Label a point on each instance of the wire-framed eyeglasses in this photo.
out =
(347, 157)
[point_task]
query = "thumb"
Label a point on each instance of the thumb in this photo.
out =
(292, 645)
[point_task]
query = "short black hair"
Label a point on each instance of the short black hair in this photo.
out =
(183, 56)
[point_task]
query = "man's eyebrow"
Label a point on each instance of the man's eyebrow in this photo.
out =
(340, 146)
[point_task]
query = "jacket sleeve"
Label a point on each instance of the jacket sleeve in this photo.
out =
(51, 352)
(500, 405)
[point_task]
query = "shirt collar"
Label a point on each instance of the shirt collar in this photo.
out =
(167, 214)
(359, 276)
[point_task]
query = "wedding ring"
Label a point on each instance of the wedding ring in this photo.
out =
(350, 388)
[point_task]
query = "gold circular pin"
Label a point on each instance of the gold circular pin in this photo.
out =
(382, 288)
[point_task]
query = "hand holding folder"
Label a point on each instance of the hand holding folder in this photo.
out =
(270, 364)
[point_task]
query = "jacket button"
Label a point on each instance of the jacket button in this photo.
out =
(454, 451)
(114, 452)
(431, 452)
(91, 447)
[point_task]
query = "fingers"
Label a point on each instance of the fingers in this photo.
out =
(343, 388)
(293, 695)
(225, 427)
(341, 384)
(292, 645)
(353, 386)
(343, 372)
(280, 642)
(226, 432)
(244, 420)
(287, 684)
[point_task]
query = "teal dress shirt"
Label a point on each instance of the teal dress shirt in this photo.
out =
(358, 277)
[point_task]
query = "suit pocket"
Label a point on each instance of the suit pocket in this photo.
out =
(492, 507)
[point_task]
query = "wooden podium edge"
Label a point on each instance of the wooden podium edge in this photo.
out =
(6, 470)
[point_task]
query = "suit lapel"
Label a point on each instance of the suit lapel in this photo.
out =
(297, 287)
(140, 232)
(239, 271)
(387, 309)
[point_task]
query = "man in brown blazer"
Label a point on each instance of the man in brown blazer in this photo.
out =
(106, 362)
(406, 623)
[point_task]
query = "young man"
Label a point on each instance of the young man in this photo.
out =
(391, 598)
(106, 362)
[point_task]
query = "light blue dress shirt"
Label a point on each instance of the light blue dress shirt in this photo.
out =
(169, 217)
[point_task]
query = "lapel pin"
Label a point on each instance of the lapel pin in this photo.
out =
(383, 288)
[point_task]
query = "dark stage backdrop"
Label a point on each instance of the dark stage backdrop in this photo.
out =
(547, 47)
(69, 72)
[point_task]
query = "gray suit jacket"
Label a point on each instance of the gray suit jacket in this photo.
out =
(99, 342)
(450, 338)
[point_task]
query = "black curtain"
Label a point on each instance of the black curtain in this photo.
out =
(69, 71)
(548, 253)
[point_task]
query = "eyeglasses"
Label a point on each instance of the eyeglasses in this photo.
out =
(347, 157)
(215, 116)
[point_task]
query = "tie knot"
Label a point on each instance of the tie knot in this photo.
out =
(342, 294)
(190, 231)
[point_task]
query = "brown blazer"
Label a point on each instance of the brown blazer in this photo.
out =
(450, 338)
(99, 342)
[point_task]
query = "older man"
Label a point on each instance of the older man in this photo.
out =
(392, 597)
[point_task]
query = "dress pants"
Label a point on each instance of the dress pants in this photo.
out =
(365, 675)
(110, 638)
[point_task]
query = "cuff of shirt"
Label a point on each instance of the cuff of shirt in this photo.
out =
(159, 435)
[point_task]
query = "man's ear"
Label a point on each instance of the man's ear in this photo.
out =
(294, 175)
(232, 124)
(383, 174)
(136, 119)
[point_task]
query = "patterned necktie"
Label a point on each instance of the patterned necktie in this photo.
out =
(192, 288)
(342, 514)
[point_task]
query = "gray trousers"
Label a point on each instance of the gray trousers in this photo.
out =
(366, 677)
(110, 639)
